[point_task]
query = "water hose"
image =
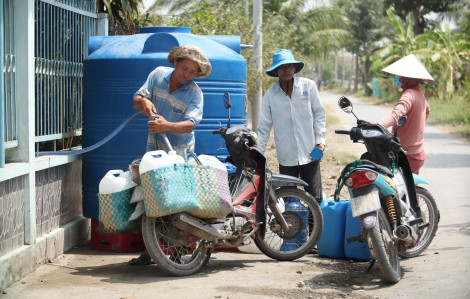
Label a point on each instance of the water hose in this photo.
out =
(94, 146)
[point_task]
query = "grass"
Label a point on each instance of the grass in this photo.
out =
(338, 158)
(452, 115)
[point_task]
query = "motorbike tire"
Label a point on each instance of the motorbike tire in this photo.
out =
(272, 244)
(384, 249)
(429, 213)
(160, 254)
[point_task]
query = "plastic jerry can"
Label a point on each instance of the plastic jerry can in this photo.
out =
(353, 250)
(159, 159)
(116, 181)
(293, 204)
(334, 220)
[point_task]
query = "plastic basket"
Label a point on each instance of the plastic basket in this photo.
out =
(201, 191)
(115, 210)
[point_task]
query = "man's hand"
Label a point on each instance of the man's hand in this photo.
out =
(143, 105)
(158, 125)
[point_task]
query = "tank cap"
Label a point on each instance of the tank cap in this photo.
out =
(331, 203)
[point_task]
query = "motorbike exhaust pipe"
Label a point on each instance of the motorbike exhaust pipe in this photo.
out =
(405, 233)
(199, 228)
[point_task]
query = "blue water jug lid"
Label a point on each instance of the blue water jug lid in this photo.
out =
(230, 167)
(317, 154)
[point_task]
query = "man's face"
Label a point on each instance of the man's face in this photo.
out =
(185, 70)
(286, 71)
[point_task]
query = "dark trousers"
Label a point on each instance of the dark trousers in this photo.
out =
(310, 173)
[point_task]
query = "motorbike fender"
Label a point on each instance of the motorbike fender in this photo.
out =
(419, 180)
(369, 220)
(281, 180)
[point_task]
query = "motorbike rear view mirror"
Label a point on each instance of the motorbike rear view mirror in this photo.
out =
(226, 98)
(401, 121)
(345, 104)
(227, 104)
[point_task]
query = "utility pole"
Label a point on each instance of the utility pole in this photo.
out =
(336, 68)
(258, 63)
(342, 77)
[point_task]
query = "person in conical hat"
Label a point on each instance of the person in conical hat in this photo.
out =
(409, 73)
(292, 107)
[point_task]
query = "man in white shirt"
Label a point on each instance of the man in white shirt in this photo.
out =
(293, 108)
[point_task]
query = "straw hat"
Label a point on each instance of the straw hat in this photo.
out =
(195, 54)
(281, 57)
(409, 67)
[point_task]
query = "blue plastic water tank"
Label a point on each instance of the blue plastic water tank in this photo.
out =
(293, 204)
(353, 250)
(334, 220)
(118, 66)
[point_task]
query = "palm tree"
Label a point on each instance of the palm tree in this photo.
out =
(116, 8)
(402, 44)
(446, 51)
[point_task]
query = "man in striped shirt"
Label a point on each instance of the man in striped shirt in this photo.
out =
(173, 100)
(174, 103)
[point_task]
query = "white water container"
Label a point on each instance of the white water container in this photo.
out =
(115, 181)
(209, 161)
(158, 159)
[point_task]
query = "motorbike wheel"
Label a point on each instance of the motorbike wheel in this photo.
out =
(307, 229)
(429, 213)
(384, 249)
(170, 256)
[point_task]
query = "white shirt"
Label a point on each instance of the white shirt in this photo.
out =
(299, 122)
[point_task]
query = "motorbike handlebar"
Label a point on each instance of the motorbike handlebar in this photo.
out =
(395, 144)
(344, 132)
(237, 140)
(215, 132)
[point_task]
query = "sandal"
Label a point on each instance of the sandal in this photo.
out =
(142, 260)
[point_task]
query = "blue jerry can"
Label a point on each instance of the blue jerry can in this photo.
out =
(353, 228)
(332, 237)
(293, 204)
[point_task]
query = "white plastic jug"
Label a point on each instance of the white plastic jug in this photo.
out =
(208, 161)
(111, 183)
(158, 159)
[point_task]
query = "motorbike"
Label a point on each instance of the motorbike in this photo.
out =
(398, 218)
(283, 221)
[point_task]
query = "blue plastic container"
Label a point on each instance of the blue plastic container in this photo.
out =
(118, 66)
(353, 228)
(293, 204)
(334, 220)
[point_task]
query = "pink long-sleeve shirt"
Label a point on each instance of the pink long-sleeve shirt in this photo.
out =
(412, 104)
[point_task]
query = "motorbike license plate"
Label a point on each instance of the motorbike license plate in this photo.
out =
(365, 203)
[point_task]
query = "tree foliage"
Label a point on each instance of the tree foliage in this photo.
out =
(418, 9)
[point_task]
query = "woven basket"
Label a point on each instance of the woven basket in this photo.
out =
(201, 191)
(115, 210)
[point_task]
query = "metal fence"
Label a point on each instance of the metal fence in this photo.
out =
(61, 43)
(9, 70)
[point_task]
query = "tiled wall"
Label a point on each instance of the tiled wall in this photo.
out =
(58, 196)
(58, 201)
(11, 215)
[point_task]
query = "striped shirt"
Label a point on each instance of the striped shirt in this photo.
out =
(183, 104)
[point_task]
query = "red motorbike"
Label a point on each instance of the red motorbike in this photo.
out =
(283, 221)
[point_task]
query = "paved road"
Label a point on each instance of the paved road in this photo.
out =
(443, 270)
